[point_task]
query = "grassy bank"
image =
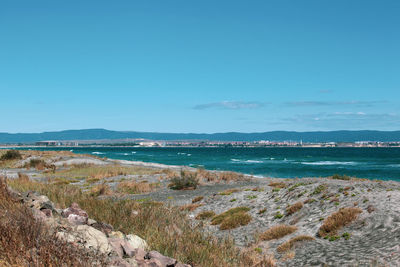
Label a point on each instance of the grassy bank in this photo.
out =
(165, 228)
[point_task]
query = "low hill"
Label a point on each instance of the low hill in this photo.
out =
(99, 134)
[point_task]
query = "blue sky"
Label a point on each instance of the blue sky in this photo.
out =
(199, 66)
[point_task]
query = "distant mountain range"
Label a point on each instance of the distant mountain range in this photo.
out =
(102, 134)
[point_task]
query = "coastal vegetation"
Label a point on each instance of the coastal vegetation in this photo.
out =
(151, 221)
(277, 231)
(185, 181)
(337, 220)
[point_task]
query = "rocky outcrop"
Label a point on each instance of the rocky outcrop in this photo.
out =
(74, 226)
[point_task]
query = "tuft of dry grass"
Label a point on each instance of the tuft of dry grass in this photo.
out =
(221, 217)
(132, 187)
(293, 242)
(190, 207)
(100, 190)
(205, 215)
(23, 177)
(338, 220)
(228, 192)
(213, 176)
(232, 218)
(231, 176)
(277, 231)
(235, 220)
(294, 208)
(25, 241)
(278, 184)
(197, 199)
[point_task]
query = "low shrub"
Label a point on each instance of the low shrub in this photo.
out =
(278, 231)
(10, 155)
(38, 164)
(337, 220)
(185, 181)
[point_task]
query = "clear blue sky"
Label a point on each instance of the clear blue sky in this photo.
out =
(199, 66)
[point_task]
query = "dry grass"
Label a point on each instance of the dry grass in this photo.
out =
(212, 176)
(197, 199)
(228, 192)
(100, 172)
(205, 215)
(294, 208)
(277, 231)
(132, 187)
(293, 242)
(337, 220)
(190, 207)
(232, 218)
(185, 242)
(25, 241)
(101, 189)
(235, 220)
(278, 184)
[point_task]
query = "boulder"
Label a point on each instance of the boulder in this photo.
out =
(122, 247)
(137, 242)
(104, 227)
(88, 237)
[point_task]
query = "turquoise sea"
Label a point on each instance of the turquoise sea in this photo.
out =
(372, 163)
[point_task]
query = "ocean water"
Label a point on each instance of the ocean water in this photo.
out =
(372, 163)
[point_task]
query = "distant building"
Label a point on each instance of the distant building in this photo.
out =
(56, 143)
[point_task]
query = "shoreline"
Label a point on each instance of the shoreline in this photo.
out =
(152, 164)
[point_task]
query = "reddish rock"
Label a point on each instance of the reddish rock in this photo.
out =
(80, 216)
(164, 260)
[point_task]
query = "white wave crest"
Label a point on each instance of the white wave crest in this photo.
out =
(319, 163)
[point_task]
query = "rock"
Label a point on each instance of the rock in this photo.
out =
(118, 262)
(75, 210)
(91, 222)
(164, 260)
(122, 247)
(116, 244)
(88, 237)
(104, 227)
(139, 253)
(77, 219)
(116, 234)
(137, 242)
